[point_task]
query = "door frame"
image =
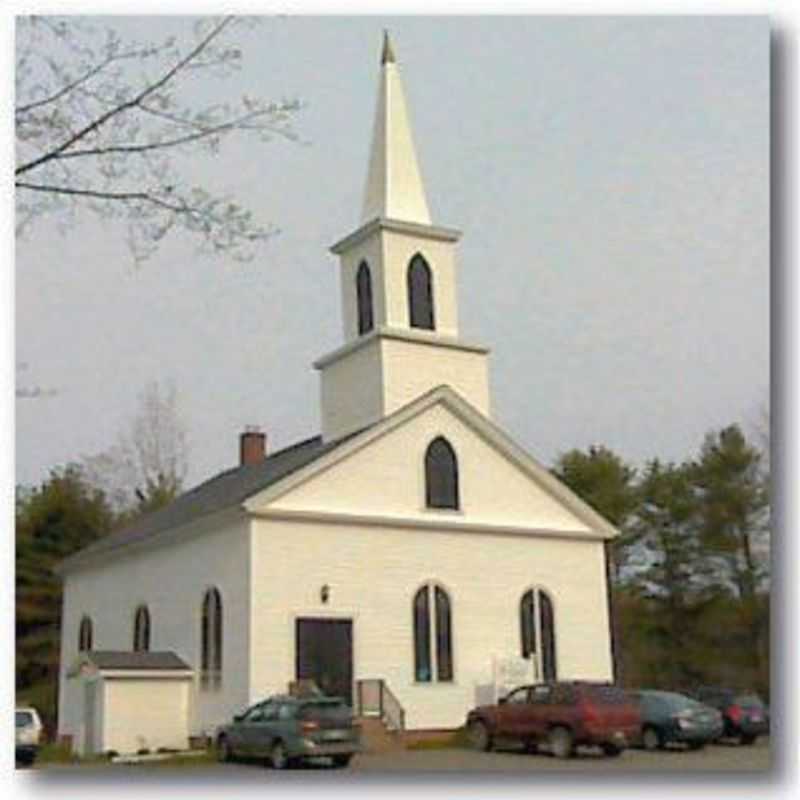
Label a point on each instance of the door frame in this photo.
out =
(325, 616)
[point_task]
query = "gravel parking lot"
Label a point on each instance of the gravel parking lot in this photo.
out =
(719, 758)
(715, 758)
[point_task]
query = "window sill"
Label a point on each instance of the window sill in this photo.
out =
(436, 684)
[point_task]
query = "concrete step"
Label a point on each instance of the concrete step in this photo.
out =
(377, 738)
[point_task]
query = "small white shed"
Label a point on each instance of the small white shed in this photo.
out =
(132, 701)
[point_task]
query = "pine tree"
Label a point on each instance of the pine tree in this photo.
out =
(666, 528)
(54, 520)
(604, 481)
(734, 509)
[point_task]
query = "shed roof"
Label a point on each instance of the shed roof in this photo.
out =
(134, 660)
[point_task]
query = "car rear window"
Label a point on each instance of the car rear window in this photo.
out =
(23, 718)
(748, 701)
(674, 701)
(335, 712)
(606, 695)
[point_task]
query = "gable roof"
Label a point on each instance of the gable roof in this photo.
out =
(252, 485)
(473, 418)
(226, 490)
(133, 660)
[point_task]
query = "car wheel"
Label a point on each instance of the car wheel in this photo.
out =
(224, 752)
(278, 756)
(342, 761)
(561, 742)
(479, 736)
(612, 750)
(651, 739)
(747, 738)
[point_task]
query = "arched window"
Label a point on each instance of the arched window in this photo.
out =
(211, 641)
(141, 629)
(85, 635)
(441, 475)
(537, 632)
(432, 662)
(364, 296)
(420, 294)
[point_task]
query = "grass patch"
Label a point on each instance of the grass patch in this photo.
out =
(457, 739)
(208, 758)
(60, 754)
(52, 753)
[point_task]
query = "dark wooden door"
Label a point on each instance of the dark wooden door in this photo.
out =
(324, 653)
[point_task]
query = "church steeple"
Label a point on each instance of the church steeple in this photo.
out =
(387, 54)
(399, 298)
(394, 186)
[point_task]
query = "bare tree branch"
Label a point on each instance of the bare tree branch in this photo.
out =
(104, 118)
(91, 136)
(88, 75)
(101, 195)
(202, 133)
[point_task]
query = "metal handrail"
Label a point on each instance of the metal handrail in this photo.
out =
(374, 696)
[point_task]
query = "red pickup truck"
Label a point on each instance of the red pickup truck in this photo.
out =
(560, 715)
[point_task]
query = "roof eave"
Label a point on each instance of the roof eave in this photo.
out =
(434, 232)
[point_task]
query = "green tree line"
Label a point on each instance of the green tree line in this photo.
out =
(690, 568)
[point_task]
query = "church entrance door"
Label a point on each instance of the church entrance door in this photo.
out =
(324, 653)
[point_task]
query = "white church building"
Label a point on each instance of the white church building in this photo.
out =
(401, 558)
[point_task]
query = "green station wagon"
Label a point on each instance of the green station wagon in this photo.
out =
(288, 730)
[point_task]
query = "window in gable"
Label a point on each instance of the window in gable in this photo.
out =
(441, 475)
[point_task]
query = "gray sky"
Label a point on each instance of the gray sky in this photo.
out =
(611, 178)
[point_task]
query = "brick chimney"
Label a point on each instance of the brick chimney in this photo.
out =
(252, 445)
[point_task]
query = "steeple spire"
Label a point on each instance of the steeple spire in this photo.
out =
(394, 185)
(399, 298)
(387, 56)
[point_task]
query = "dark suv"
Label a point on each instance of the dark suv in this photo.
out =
(743, 714)
(561, 715)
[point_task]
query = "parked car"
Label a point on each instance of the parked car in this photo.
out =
(287, 730)
(28, 734)
(561, 715)
(744, 715)
(671, 717)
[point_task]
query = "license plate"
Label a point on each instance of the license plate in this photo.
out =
(755, 717)
(335, 736)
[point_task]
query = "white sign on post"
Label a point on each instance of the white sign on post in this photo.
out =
(509, 672)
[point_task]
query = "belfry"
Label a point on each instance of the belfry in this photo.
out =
(398, 289)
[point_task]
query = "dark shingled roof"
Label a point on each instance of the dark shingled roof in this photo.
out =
(128, 659)
(225, 490)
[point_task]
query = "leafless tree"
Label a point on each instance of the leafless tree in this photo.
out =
(147, 465)
(99, 120)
